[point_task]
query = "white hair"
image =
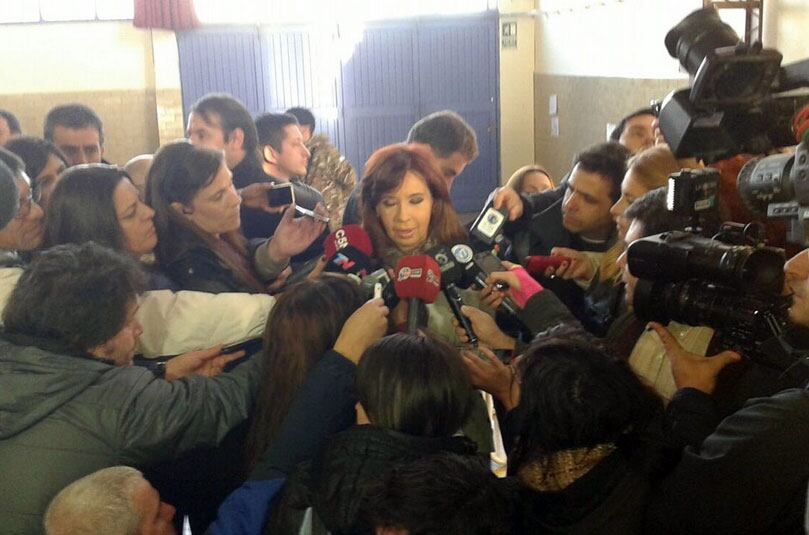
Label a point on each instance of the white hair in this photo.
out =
(98, 503)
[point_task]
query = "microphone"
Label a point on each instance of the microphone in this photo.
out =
(418, 279)
(537, 265)
(463, 267)
(369, 287)
(453, 263)
(349, 251)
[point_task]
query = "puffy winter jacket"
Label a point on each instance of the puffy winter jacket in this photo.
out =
(64, 416)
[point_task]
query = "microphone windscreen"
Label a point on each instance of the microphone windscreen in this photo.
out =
(349, 261)
(348, 236)
(451, 272)
(537, 265)
(418, 277)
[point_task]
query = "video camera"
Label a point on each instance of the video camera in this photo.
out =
(734, 289)
(738, 101)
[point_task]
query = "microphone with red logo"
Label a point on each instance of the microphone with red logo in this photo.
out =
(538, 265)
(348, 250)
(418, 279)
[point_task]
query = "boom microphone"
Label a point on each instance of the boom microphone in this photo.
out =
(349, 251)
(418, 279)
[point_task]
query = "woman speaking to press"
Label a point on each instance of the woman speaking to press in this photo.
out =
(406, 210)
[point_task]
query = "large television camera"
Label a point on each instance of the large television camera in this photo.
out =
(740, 101)
(735, 289)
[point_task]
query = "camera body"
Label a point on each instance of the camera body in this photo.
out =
(777, 187)
(700, 281)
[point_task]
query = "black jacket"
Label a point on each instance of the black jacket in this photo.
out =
(201, 270)
(614, 495)
(259, 224)
(611, 498)
(335, 483)
(749, 476)
(540, 230)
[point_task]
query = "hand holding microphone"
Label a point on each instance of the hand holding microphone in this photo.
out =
(365, 326)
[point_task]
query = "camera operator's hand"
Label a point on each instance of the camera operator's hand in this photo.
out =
(498, 379)
(580, 267)
(293, 236)
(510, 200)
(365, 326)
(690, 370)
(255, 196)
(485, 329)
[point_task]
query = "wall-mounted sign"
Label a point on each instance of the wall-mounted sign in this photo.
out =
(508, 35)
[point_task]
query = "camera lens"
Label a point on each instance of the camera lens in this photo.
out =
(696, 36)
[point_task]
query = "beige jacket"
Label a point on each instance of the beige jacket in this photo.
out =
(178, 322)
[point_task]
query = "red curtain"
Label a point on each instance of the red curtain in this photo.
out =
(168, 14)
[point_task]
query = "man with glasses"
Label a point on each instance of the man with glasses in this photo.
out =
(24, 232)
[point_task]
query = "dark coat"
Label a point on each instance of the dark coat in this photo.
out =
(335, 483)
(611, 498)
(258, 224)
(199, 269)
(749, 476)
(614, 495)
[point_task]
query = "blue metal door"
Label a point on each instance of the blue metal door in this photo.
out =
(221, 61)
(459, 70)
(396, 73)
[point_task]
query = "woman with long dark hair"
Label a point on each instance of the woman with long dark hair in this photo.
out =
(99, 203)
(303, 326)
(197, 219)
(584, 443)
(44, 163)
(414, 397)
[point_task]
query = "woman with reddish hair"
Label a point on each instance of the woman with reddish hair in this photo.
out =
(406, 207)
(406, 210)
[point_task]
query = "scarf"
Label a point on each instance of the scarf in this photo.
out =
(559, 470)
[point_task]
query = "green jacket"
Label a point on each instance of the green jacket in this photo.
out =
(63, 417)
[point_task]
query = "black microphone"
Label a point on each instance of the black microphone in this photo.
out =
(381, 278)
(477, 266)
(453, 276)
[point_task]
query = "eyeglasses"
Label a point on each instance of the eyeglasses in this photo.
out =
(34, 194)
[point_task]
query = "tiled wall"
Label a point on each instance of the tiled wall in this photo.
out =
(585, 106)
(130, 117)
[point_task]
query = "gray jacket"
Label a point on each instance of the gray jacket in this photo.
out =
(63, 417)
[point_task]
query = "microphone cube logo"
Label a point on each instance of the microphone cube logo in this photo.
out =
(340, 239)
(348, 265)
(408, 273)
(433, 279)
(343, 262)
(463, 253)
